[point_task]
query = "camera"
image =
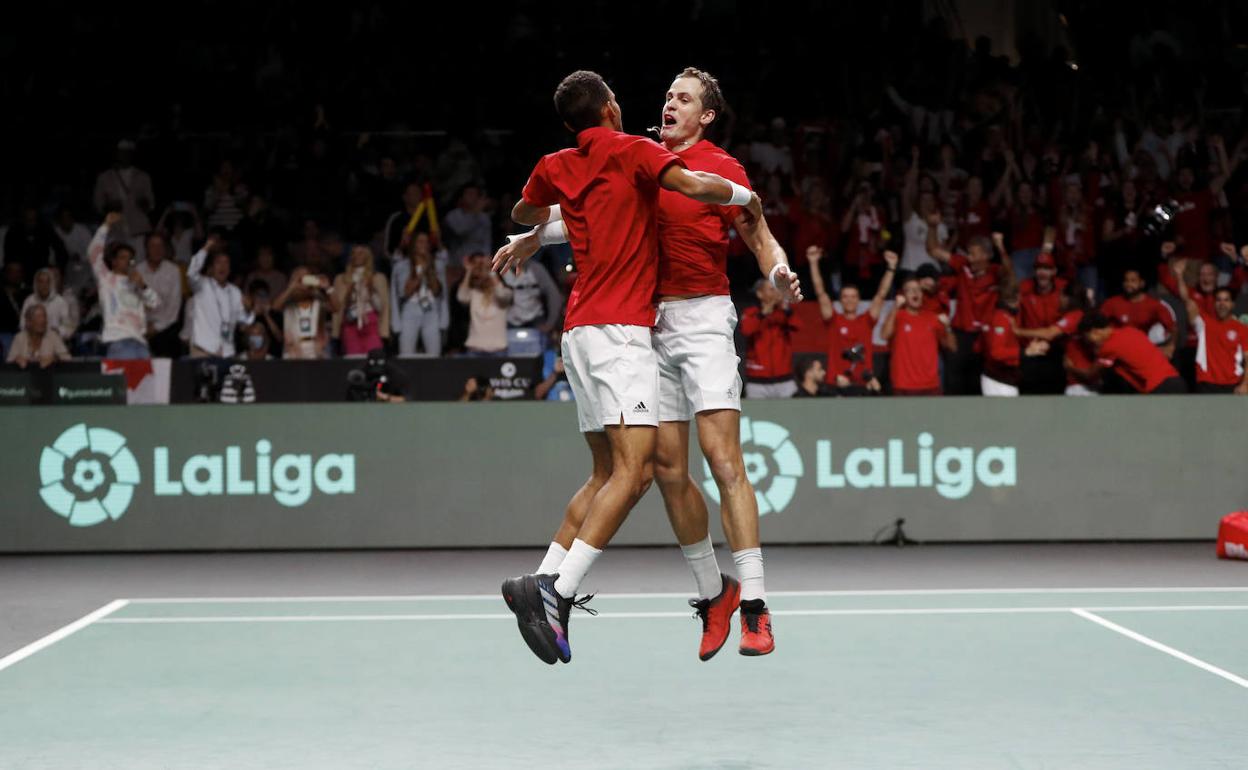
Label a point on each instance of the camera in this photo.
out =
(1158, 222)
(364, 383)
(856, 354)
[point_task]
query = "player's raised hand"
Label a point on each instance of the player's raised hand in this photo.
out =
(788, 283)
(516, 252)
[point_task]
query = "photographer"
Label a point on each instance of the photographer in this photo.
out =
(810, 379)
(487, 299)
(379, 380)
(477, 389)
(850, 347)
(554, 385)
(306, 305)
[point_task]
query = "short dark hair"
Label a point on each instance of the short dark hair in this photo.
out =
(579, 99)
(712, 98)
(1227, 289)
(1092, 321)
(116, 248)
(805, 365)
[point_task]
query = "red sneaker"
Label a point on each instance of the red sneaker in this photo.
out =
(716, 617)
(756, 638)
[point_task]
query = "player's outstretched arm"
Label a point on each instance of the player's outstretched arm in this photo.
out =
(520, 248)
(770, 254)
(705, 187)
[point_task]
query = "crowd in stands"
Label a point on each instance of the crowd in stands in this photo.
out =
(1012, 230)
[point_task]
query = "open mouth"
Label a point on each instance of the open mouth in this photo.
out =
(669, 119)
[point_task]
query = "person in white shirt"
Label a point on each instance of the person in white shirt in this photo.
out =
(219, 307)
(418, 298)
(59, 316)
(128, 189)
(166, 280)
(124, 297)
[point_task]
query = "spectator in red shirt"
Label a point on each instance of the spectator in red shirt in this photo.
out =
(861, 228)
(1193, 223)
(936, 289)
(915, 336)
(978, 282)
(1040, 295)
(850, 347)
(768, 329)
(1001, 348)
(1131, 355)
(1140, 310)
(1222, 340)
(1201, 294)
(1067, 358)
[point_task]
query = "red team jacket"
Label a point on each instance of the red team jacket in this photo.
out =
(770, 355)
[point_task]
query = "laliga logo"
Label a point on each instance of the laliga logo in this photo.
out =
(784, 456)
(88, 475)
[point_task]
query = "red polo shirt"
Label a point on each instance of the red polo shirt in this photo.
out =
(1136, 359)
(693, 236)
(915, 360)
(608, 190)
(1039, 311)
(976, 295)
(1140, 314)
(1220, 349)
(844, 333)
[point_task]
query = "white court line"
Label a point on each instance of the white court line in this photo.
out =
(1156, 645)
(61, 633)
(660, 595)
(626, 615)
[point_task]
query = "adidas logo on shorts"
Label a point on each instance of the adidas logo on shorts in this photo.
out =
(641, 407)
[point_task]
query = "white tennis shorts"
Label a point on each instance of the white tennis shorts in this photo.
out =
(698, 363)
(613, 374)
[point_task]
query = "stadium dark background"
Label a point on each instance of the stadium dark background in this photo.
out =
(202, 81)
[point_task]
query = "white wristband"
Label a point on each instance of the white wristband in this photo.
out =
(551, 233)
(772, 276)
(741, 195)
(556, 215)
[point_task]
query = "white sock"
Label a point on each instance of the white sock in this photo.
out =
(749, 563)
(554, 557)
(701, 559)
(574, 568)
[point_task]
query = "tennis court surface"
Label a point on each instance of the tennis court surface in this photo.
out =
(926, 676)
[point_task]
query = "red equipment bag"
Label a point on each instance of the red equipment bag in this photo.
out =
(1233, 536)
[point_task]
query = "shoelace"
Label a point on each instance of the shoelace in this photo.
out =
(581, 602)
(701, 609)
(751, 619)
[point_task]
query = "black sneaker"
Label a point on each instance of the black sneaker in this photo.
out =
(557, 611)
(530, 617)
